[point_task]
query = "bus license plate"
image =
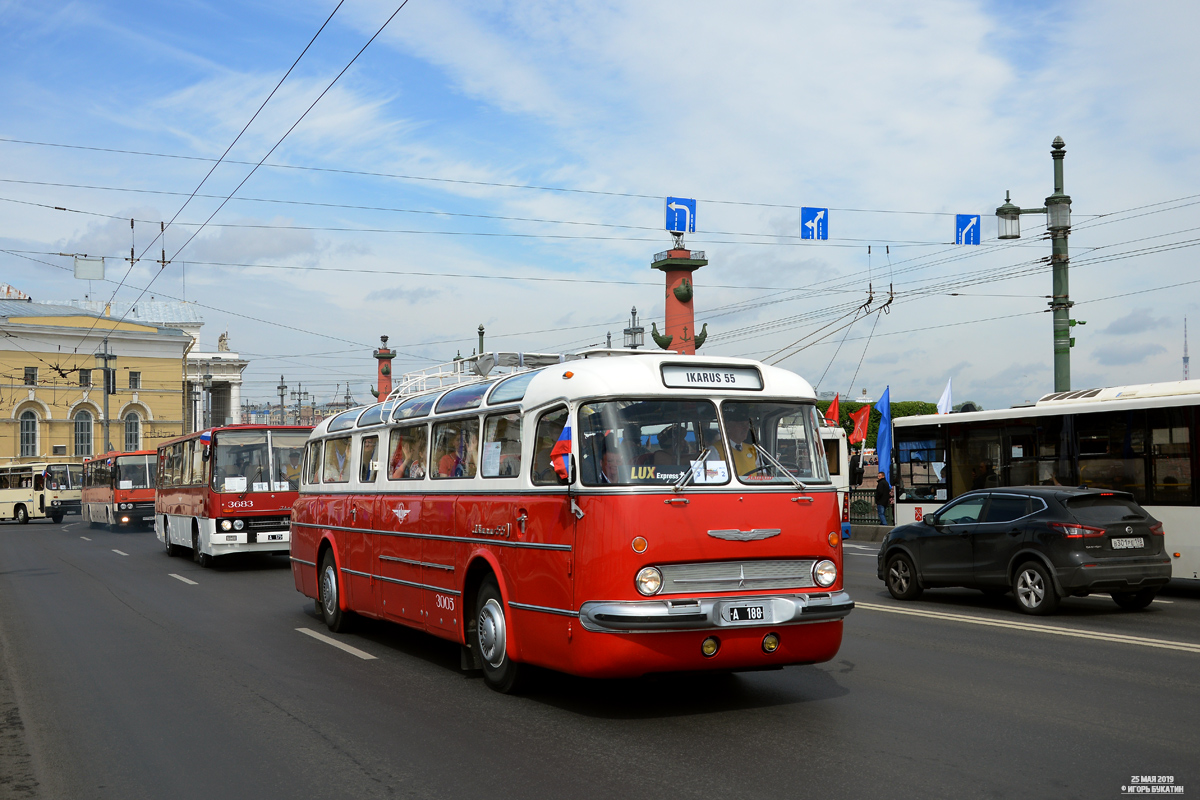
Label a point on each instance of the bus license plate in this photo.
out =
(274, 537)
(745, 613)
(1128, 544)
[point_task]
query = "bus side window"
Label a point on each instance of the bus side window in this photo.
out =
(337, 460)
(199, 465)
(38, 482)
(368, 459)
(502, 446)
(549, 428)
(189, 448)
(313, 463)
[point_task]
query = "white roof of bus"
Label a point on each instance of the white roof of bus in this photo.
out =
(1082, 401)
(640, 375)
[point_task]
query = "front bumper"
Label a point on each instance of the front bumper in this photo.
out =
(680, 614)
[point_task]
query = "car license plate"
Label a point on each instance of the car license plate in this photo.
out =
(1128, 544)
(746, 613)
(274, 537)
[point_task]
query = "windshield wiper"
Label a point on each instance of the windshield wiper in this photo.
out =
(779, 466)
(689, 472)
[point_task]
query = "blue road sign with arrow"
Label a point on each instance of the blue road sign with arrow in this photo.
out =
(681, 215)
(814, 223)
(966, 229)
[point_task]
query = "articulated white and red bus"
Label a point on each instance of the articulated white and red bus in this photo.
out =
(228, 490)
(118, 489)
(612, 515)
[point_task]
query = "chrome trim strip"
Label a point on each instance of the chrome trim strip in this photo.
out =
(740, 580)
(544, 609)
(437, 537)
(416, 563)
(735, 535)
(302, 561)
(414, 584)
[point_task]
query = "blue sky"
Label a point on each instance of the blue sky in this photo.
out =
(756, 109)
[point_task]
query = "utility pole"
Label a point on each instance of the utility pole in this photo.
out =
(110, 385)
(1058, 222)
(299, 396)
(282, 389)
(349, 397)
(208, 400)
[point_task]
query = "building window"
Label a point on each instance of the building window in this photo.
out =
(31, 376)
(133, 432)
(135, 380)
(85, 377)
(29, 431)
(83, 433)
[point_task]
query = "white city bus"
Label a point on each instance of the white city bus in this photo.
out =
(1136, 439)
(24, 494)
(837, 455)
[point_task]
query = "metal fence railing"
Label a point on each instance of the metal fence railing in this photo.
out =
(862, 508)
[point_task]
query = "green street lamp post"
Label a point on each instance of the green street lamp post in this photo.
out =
(1058, 222)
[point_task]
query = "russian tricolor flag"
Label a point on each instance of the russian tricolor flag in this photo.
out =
(560, 455)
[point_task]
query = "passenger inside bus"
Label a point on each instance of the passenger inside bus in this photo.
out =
(456, 448)
(673, 447)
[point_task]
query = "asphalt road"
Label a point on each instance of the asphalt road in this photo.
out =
(118, 680)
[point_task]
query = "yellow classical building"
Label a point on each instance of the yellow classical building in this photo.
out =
(52, 393)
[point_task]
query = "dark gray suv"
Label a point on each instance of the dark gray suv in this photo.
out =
(1041, 543)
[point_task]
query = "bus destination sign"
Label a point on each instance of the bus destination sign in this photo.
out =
(708, 376)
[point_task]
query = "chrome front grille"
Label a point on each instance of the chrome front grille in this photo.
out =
(267, 523)
(725, 576)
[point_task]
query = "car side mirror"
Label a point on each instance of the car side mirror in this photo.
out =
(930, 519)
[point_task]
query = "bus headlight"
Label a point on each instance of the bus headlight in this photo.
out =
(648, 581)
(226, 525)
(825, 573)
(238, 524)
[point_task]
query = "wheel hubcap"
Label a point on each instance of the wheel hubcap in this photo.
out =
(899, 576)
(491, 633)
(1030, 589)
(329, 591)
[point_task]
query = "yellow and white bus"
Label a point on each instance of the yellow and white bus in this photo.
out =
(26, 493)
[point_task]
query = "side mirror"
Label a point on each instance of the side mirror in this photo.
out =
(204, 456)
(930, 519)
(573, 474)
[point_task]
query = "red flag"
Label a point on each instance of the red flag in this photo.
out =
(833, 412)
(861, 418)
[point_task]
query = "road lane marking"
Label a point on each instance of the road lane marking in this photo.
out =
(181, 578)
(354, 651)
(1118, 638)
(1106, 597)
(118, 552)
(86, 539)
(864, 555)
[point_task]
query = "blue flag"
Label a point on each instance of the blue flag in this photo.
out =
(883, 440)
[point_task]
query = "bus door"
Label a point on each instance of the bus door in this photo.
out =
(543, 526)
(400, 516)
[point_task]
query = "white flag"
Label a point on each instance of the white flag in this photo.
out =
(946, 404)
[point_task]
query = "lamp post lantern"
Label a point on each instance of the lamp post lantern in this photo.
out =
(1058, 223)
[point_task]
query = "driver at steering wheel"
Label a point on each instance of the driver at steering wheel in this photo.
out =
(738, 429)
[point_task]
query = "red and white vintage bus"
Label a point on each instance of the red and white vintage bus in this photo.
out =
(612, 515)
(228, 490)
(118, 489)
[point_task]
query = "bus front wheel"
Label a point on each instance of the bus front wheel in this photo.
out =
(57, 518)
(489, 640)
(203, 559)
(328, 594)
(22, 515)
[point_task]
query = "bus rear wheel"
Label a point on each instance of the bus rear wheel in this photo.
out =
(22, 516)
(171, 547)
(329, 594)
(57, 518)
(489, 640)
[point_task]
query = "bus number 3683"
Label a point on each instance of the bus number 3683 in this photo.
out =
(443, 602)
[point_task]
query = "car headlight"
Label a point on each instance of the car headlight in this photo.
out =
(649, 581)
(825, 573)
(226, 525)
(238, 524)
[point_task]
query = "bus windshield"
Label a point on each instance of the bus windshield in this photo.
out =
(287, 450)
(241, 462)
(60, 477)
(134, 472)
(774, 442)
(649, 442)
